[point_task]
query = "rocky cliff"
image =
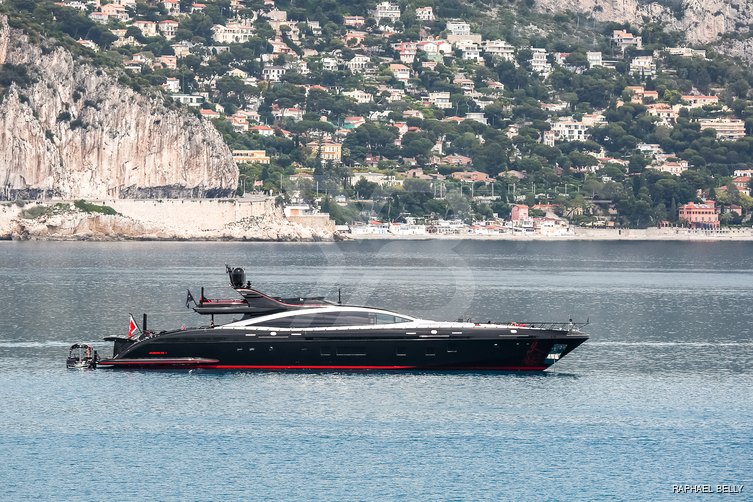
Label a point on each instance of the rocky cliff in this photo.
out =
(702, 21)
(71, 130)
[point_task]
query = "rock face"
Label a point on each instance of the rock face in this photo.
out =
(75, 132)
(702, 21)
(62, 221)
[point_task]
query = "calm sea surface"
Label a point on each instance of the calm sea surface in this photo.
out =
(662, 394)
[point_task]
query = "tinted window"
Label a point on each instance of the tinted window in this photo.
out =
(329, 319)
(278, 323)
(389, 319)
(350, 351)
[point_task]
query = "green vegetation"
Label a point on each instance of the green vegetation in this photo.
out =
(38, 211)
(89, 207)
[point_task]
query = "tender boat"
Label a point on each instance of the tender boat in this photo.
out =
(82, 356)
(315, 334)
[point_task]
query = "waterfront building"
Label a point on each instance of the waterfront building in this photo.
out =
(699, 215)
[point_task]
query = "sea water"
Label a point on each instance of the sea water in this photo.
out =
(660, 397)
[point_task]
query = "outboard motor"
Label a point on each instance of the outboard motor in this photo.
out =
(238, 278)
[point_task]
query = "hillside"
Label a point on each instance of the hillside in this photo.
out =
(617, 115)
(71, 129)
(722, 23)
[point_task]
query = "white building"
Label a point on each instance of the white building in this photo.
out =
(623, 39)
(686, 52)
(698, 101)
(500, 49)
(193, 100)
(434, 47)
(233, 33)
(644, 66)
(386, 10)
(359, 96)
(594, 59)
(171, 85)
(378, 178)
(458, 27)
(726, 128)
(182, 49)
(400, 71)
(273, 73)
(674, 168)
(358, 64)
(539, 63)
(440, 100)
(424, 14)
(330, 64)
(148, 28)
(478, 117)
(568, 129)
(168, 28)
(469, 50)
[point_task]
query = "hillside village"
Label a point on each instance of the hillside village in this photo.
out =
(442, 115)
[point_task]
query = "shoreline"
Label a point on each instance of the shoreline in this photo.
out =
(577, 235)
(260, 220)
(583, 234)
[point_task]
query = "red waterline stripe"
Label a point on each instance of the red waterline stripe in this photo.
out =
(266, 367)
(338, 367)
(497, 368)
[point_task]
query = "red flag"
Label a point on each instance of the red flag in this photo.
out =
(132, 327)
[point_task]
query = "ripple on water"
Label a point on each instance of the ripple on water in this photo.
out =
(660, 394)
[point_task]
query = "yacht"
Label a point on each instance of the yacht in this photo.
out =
(274, 333)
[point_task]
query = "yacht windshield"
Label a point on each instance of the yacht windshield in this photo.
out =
(332, 319)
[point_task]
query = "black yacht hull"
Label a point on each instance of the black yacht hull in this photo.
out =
(226, 349)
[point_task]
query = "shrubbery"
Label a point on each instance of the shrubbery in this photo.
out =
(89, 207)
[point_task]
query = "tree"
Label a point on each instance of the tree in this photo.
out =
(364, 188)
(416, 145)
(370, 138)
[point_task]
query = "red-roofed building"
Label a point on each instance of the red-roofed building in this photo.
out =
(168, 28)
(701, 215)
(263, 130)
(742, 184)
(457, 160)
(519, 212)
(471, 176)
(353, 122)
(209, 114)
